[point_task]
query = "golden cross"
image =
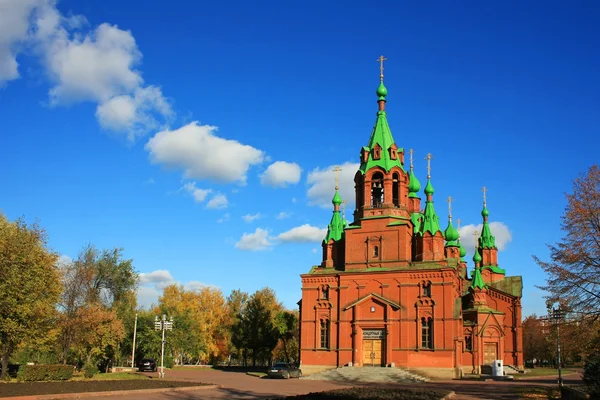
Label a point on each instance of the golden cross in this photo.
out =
(449, 207)
(337, 169)
(429, 158)
(410, 152)
(484, 190)
(381, 59)
(344, 209)
(458, 223)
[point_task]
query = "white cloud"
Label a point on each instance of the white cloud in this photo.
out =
(14, 26)
(63, 261)
(283, 215)
(98, 65)
(303, 234)
(218, 202)
(322, 183)
(226, 217)
(259, 240)
(203, 155)
(499, 230)
(251, 217)
(199, 195)
(161, 278)
(280, 174)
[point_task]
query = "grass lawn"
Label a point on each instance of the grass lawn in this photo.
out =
(542, 372)
(371, 393)
(116, 376)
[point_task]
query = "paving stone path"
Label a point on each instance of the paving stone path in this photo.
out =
(367, 374)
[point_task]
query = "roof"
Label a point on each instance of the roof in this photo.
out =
(512, 285)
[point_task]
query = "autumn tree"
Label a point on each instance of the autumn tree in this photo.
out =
(29, 285)
(286, 323)
(536, 342)
(574, 266)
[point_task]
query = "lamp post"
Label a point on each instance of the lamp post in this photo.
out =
(163, 325)
(557, 314)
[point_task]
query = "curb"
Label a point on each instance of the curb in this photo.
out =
(109, 393)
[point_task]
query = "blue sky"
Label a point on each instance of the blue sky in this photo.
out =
(200, 136)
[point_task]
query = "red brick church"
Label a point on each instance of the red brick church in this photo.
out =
(393, 288)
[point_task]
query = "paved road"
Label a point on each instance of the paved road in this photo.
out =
(241, 386)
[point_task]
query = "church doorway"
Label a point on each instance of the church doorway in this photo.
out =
(373, 345)
(490, 353)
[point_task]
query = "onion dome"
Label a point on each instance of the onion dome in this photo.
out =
(463, 251)
(414, 186)
(451, 233)
(485, 212)
(477, 256)
(337, 199)
(382, 91)
(429, 188)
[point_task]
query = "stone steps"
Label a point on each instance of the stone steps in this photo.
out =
(368, 374)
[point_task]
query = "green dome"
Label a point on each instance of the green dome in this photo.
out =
(337, 199)
(451, 233)
(381, 90)
(477, 256)
(463, 251)
(485, 212)
(429, 188)
(414, 186)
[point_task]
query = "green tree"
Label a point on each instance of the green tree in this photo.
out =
(29, 285)
(255, 330)
(574, 266)
(236, 302)
(286, 323)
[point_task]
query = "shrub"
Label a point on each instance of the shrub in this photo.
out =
(54, 372)
(591, 375)
(89, 370)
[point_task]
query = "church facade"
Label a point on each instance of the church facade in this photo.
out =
(393, 288)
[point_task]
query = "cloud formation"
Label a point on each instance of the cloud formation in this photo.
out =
(322, 185)
(258, 240)
(202, 155)
(281, 174)
(303, 234)
(251, 217)
(84, 65)
(153, 283)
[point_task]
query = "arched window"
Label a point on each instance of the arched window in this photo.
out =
(375, 251)
(426, 289)
(325, 292)
(377, 189)
(324, 333)
(396, 189)
(427, 333)
(468, 343)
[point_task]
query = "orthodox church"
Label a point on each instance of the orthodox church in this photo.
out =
(394, 289)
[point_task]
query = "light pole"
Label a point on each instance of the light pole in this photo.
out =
(557, 314)
(163, 325)
(133, 347)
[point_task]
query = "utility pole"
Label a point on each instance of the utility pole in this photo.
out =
(557, 314)
(163, 325)
(133, 347)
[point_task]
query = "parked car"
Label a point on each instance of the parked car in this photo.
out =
(147, 364)
(284, 370)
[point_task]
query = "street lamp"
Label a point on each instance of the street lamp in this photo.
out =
(557, 314)
(163, 325)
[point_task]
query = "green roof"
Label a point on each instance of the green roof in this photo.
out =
(382, 136)
(414, 185)
(416, 219)
(494, 268)
(451, 234)
(512, 285)
(431, 222)
(335, 229)
(477, 281)
(486, 240)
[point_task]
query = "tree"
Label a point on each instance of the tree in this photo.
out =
(574, 266)
(536, 344)
(286, 323)
(29, 285)
(255, 330)
(236, 302)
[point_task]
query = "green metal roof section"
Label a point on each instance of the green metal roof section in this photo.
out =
(486, 240)
(431, 222)
(463, 251)
(335, 229)
(416, 219)
(476, 256)
(511, 284)
(414, 185)
(495, 269)
(451, 235)
(477, 281)
(381, 135)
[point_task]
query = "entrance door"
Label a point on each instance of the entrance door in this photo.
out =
(490, 353)
(373, 347)
(372, 352)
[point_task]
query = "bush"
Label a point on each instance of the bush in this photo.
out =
(89, 370)
(55, 372)
(591, 375)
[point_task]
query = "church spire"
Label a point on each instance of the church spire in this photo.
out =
(477, 280)
(431, 222)
(486, 241)
(335, 229)
(463, 251)
(382, 150)
(450, 233)
(414, 185)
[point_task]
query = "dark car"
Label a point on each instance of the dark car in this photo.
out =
(147, 364)
(284, 370)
